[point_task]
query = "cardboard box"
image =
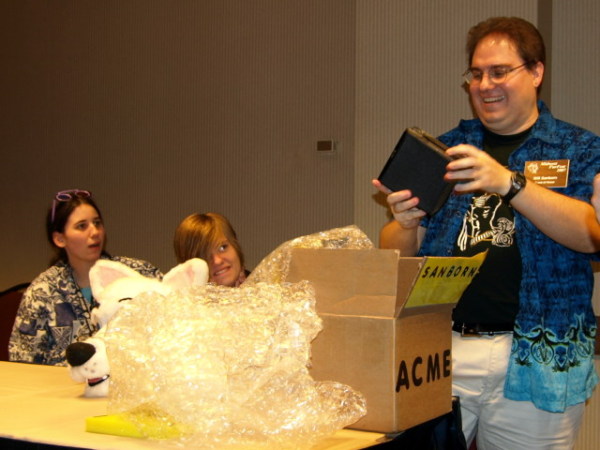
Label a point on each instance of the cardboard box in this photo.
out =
(387, 328)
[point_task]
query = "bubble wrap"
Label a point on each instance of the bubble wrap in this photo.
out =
(274, 268)
(227, 366)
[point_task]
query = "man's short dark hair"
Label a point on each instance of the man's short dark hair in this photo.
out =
(525, 36)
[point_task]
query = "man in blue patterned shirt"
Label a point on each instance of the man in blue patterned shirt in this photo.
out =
(523, 331)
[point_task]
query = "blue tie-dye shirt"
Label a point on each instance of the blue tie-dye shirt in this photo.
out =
(551, 363)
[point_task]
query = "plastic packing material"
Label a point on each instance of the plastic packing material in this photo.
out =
(274, 267)
(225, 368)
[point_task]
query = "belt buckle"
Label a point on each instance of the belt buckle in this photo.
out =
(468, 332)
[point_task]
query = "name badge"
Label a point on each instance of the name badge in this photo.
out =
(551, 174)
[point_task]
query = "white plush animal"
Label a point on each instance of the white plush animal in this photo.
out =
(114, 283)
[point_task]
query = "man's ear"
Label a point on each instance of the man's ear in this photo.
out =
(538, 73)
(58, 239)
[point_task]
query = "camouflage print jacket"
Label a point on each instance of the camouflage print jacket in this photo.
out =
(54, 313)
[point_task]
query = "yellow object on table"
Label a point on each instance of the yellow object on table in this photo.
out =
(139, 423)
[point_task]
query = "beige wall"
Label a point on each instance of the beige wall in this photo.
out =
(576, 66)
(165, 108)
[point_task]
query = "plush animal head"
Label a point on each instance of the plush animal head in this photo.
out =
(88, 364)
(113, 283)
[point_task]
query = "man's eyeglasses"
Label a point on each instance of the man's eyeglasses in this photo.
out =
(65, 196)
(496, 74)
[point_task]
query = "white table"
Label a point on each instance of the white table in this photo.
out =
(41, 404)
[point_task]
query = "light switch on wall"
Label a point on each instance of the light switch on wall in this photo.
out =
(326, 146)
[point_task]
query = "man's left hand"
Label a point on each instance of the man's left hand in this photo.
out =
(475, 170)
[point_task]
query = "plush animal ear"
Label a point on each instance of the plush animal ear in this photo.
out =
(105, 271)
(78, 353)
(193, 272)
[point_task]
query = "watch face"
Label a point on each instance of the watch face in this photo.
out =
(519, 180)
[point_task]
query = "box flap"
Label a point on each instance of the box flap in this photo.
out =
(408, 269)
(364, 281)
(376, 282)
(442, 280)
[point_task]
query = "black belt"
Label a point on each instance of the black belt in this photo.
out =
(482, 329)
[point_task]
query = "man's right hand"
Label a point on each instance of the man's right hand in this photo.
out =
(403, 206)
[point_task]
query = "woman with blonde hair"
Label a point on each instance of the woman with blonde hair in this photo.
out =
(211, 237)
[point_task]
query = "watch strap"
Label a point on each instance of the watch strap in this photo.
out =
(517, 183)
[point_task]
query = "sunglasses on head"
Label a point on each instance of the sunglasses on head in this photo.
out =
(65, 196)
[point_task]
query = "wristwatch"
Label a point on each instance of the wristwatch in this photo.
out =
(517, 183)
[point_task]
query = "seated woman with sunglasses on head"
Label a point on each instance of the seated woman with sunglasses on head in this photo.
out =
(211, 237)
(55, 309)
